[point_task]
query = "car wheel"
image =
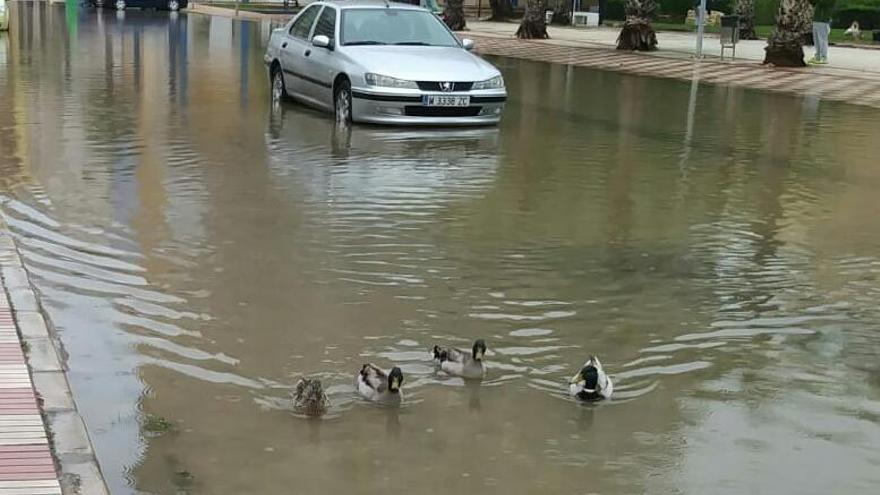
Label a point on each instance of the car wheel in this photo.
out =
(279, 91)
(343, 102)
(120, 4)
(173, 5)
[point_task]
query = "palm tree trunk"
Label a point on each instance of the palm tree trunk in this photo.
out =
(745, 9)
(785, 46)
(533, 24)
(807, 14)
(501, 10)
(453, 15)
(637, 32)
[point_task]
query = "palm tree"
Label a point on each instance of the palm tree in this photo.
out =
(453, 15)
(785, 46)
(807, 14)
(501, 10)
(637, 32)
(745, 9)
(533, 24)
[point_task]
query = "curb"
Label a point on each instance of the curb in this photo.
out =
(198, 8)
(79, 473)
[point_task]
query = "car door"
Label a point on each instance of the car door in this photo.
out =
(320, 67)
(293, 48)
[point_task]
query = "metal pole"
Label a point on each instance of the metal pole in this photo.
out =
(236, 8)
(479, 9)
(701, 20)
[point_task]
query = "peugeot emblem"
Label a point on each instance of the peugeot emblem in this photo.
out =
(447, 86)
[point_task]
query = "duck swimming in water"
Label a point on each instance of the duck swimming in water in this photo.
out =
(376, 385)
(591, 383)
(460, 363)
(309, 398)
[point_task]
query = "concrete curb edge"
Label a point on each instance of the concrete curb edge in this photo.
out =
(69, 440)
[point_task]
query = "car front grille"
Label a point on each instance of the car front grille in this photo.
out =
(438, 86)
(417, 111)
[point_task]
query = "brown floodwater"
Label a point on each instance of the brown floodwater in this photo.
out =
(197, 252)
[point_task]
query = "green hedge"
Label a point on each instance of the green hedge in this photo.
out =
(868, 18)
(867, 12)
(614, 10)
(679, 8)
(765, 11)
(676, 10)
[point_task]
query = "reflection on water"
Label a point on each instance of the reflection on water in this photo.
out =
(198, 251)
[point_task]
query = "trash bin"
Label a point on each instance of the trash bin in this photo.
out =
(877, 35)
(730, 21)
(729, 33)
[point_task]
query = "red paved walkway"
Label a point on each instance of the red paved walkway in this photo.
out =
(26, 464)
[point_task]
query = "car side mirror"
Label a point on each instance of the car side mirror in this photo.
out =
(322, 41)
(467, 44)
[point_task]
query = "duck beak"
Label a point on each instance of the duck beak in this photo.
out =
(395, 384)
(480, 355)
(577, 379)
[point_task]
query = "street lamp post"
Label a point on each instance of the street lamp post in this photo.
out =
(701, 22)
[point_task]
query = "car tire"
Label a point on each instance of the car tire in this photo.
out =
(342, 102)
(119, 4)
(173, 5)
(279, 90)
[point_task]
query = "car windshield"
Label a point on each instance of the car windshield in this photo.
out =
(389, 26)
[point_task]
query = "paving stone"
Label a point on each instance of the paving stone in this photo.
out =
(42, 356)
(23, 299)
(68, 433)
(53, 388)
(14, 277)
(32, 325)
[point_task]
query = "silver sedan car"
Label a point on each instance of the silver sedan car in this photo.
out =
(383, 63)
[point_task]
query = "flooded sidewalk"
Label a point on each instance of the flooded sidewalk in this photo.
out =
(843, 60)
(848, 85)
(34, 389)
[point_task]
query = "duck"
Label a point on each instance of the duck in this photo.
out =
(854, 30)
(309, 398)
(591, 383)
(460, 363)
(376, 385)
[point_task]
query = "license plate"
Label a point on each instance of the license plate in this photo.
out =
(445, 101)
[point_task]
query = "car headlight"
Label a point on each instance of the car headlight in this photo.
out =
(389, 82)
(496, 82)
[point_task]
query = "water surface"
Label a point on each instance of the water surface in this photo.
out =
(197, 252)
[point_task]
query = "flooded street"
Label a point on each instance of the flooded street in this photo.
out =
(198, 252)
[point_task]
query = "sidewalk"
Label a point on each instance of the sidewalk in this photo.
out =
(684, 44)
(199, 8)
(44, 447)
(854, 79)
(26, 464)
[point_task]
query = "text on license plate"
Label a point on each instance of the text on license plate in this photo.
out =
(445, 101)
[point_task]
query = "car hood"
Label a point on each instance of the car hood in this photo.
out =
(422, 63)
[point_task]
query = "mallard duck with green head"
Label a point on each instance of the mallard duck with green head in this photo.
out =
(591, 383)
(377, 385)
(461, 363)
